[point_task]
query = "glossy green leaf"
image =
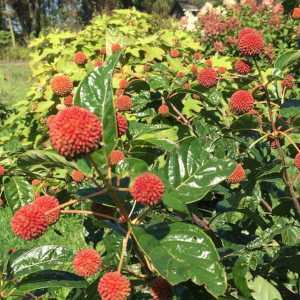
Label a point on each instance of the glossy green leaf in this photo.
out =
(131, 167)
(50, 279)
(264, 290)
(41, 258)
(17, 191)
(181, 252)
(96, 94)
(191, 172)
(285, 60)
(44, 157)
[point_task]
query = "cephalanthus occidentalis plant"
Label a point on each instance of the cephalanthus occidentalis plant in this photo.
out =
(123, 103)
(241, 102)
(2, 170)
(238, 175)
(77, 176)
(116, 156)
(163, 110)
(80, 58)
(207, 77)
(250, 42)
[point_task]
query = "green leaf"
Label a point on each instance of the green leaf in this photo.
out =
(44, 157)
(191, 172)
(181, 252)
(131, 167)
(264, 290)
(17, 191)
(96, 94)
(50, 279)
(290, 108)
(285, 60)
(41, 258)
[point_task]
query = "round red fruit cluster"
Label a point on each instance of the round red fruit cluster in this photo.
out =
(87, 262)
(80, 58)
(238, 175)
(241, 102)
(123, 103)
(115, 157)
(242, 67)
(250, 42)
(74, 130)
(61, 85)
(147, 189)
(77, 176)
(207, 77)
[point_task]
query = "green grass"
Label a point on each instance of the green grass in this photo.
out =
(15, 80)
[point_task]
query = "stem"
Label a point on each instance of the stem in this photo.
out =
(266, 205)
(87, 213)
(124, 247)
(70, 202)
(290, 140)
(286, 177)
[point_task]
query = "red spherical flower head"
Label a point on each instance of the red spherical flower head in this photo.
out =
(180, 74)
(194, 69)
(123, 83)
(68, 101)
(207, 77)
(114, 286)
(74, 130)
(77, 176)
(163, 110)
(147, 189)
(45, 204)
(123, 103)
(122, 124)
(36, 182)
(80, 58)
(251, 43)
(115, 157)
(242, 67)
(161, 289)
(197, 56)
(98, 63)
(115, 47)
(288, 82)
(221, 70)
(297, 161)
(246, 30)
(208, 62)
(241, 102)
(296, 13)
(238, 175)
(29, 222)
(61, 85)
(87, 262)
(174, 53)
(2, 170)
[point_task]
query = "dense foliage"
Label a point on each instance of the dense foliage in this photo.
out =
(178, 152)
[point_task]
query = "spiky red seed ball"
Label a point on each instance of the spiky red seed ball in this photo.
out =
(197, 55)
(238, 175)
(2, 170)
(180, 74)
(115, 157)
(119, 92)
(80, 58)
(68, 101)
(161, 289)
(163, 110)
(242, 67)
(241, 102)
(251, 43)
(207, 77)
(221, 70)
(29, 222)
(87, 262)
(122, 124)
(123, 103)
(77, 176)
(123, 83)
(208, 62)
(174, 53)
(61, 85)
(115, 47)
(36, 182)
(114, 286)
(147, 189)
(45, 204)
(297, 161)
(74, 130)
(296, 13)
(246, 30)
(288, 82)
(98, 63)
(194, 69)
